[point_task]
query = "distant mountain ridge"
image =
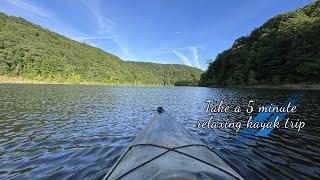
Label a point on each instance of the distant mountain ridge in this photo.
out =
(30, 51)
(284, 50)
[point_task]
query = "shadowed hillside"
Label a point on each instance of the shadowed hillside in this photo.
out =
(285, 49)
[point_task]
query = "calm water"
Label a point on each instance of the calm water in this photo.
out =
(74, 131)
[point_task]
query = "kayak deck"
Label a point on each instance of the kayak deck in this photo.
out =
(166, 150)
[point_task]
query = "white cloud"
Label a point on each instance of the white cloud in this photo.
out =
(185, 60)
(106, 26)
(92, 37)
(187, 48)
(178, 32)
(38, 15)
(29, 7)
(194, 52)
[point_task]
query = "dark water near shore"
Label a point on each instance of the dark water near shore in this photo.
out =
(75, 131)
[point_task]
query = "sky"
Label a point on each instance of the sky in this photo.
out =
(161, 31)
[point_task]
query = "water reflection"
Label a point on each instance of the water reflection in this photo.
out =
(74, 131)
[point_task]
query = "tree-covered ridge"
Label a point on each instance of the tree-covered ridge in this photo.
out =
(285, 49)
(32, 52)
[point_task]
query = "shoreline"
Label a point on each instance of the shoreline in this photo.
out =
(21, 80)
(283, 86)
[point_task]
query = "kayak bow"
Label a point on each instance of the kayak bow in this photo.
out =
(166, 150)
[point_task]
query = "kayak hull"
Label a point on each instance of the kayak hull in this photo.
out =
(166, 150)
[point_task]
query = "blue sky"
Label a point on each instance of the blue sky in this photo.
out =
(162, 31)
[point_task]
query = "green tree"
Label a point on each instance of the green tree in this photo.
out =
(284, 48)
(252, 78)
(33, 52)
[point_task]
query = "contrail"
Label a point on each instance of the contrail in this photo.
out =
(106, 26)
(194, 51)
(30, 8)
(94, 37)
(182, 57)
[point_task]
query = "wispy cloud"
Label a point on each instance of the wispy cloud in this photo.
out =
(92, 37)
(39, 15)
(187, 48)
(178, 32)
(185, 60)
(106, 26)
(28, 7)
(194, 52)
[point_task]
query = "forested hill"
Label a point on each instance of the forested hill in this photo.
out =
(32, 52)
(285, 49)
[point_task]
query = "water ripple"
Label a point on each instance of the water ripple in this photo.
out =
(75, 131)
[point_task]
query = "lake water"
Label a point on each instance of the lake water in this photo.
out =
(78, 131)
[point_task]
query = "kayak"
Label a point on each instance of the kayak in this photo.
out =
(166, 150)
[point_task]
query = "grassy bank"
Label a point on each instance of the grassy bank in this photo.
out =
(18, 80)
(22, 80)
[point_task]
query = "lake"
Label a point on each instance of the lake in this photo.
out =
(79, 131)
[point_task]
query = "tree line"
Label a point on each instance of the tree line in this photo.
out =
(285, 49)
(30, 51)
